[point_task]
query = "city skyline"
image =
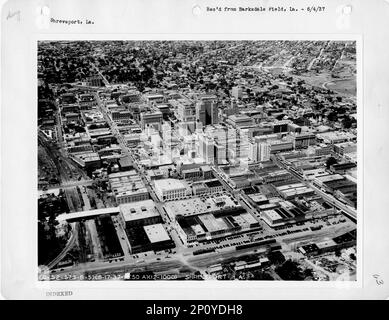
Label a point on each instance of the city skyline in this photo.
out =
(197, 160)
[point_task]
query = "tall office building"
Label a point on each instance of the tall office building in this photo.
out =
(232, 108)
(220, 136)
(206, 148)
(242, 143)
(151, 119)
(237, 92)
(184, 109)
(259, 150)
(264, 152)
(167, 138)
(207, 110)
(253, 151)
(281, 126)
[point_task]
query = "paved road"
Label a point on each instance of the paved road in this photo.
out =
(106, 82)
(150, 263)
(123, 266)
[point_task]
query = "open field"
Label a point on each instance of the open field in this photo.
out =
(343, 86)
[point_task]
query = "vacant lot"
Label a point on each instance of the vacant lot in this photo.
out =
(346, 86)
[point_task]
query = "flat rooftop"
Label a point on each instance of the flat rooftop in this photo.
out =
(199, 205)
(213, 183)
(138, 210)
(272, 214)
(330, 177)
(170, 184)
(249, 218)
(326, 244)
(198, 229)
(126, 183)
(336, 135)
(240, 117)
(156, 233)
(211, 223)
(257, 197)
(122, 174)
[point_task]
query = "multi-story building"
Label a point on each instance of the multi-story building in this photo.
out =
(209, 187)
(240, 121)
(281, 126)
(220, 154)
(144, 227)
(130, 97)
(127, 187)
(259, 151)
(206, 148)
(232, 108)
(171, 189)
(87, 160)
(68, 98)
(207, 110)
(82, 148)
(71, 117)
(336, 137)
(184, 109)
(320, 150)
(121, 115)
(237, 92)
(219, 134)
(94, 81)
(304, 140)
(218, 224)
(112, 106)
(292, 127)
(86, 101)
(151, 119)
(197, 173)
(140, 213)
(345, 147)
(280, 146)
(154, 98)
(66, 108)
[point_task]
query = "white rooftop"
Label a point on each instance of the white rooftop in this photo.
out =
(198, 205)
(156, 233)
(273, 215)
(138, 210)
(170, 184)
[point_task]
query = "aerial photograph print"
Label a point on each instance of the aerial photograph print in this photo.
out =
(197, 160)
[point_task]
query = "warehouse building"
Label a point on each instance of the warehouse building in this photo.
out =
(219, 224)
(291, 191)
(283, 212)
(127, 187)
(144, 228)
(171, 189)
(140, 213)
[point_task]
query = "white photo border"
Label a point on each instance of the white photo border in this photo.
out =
(253, 284)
